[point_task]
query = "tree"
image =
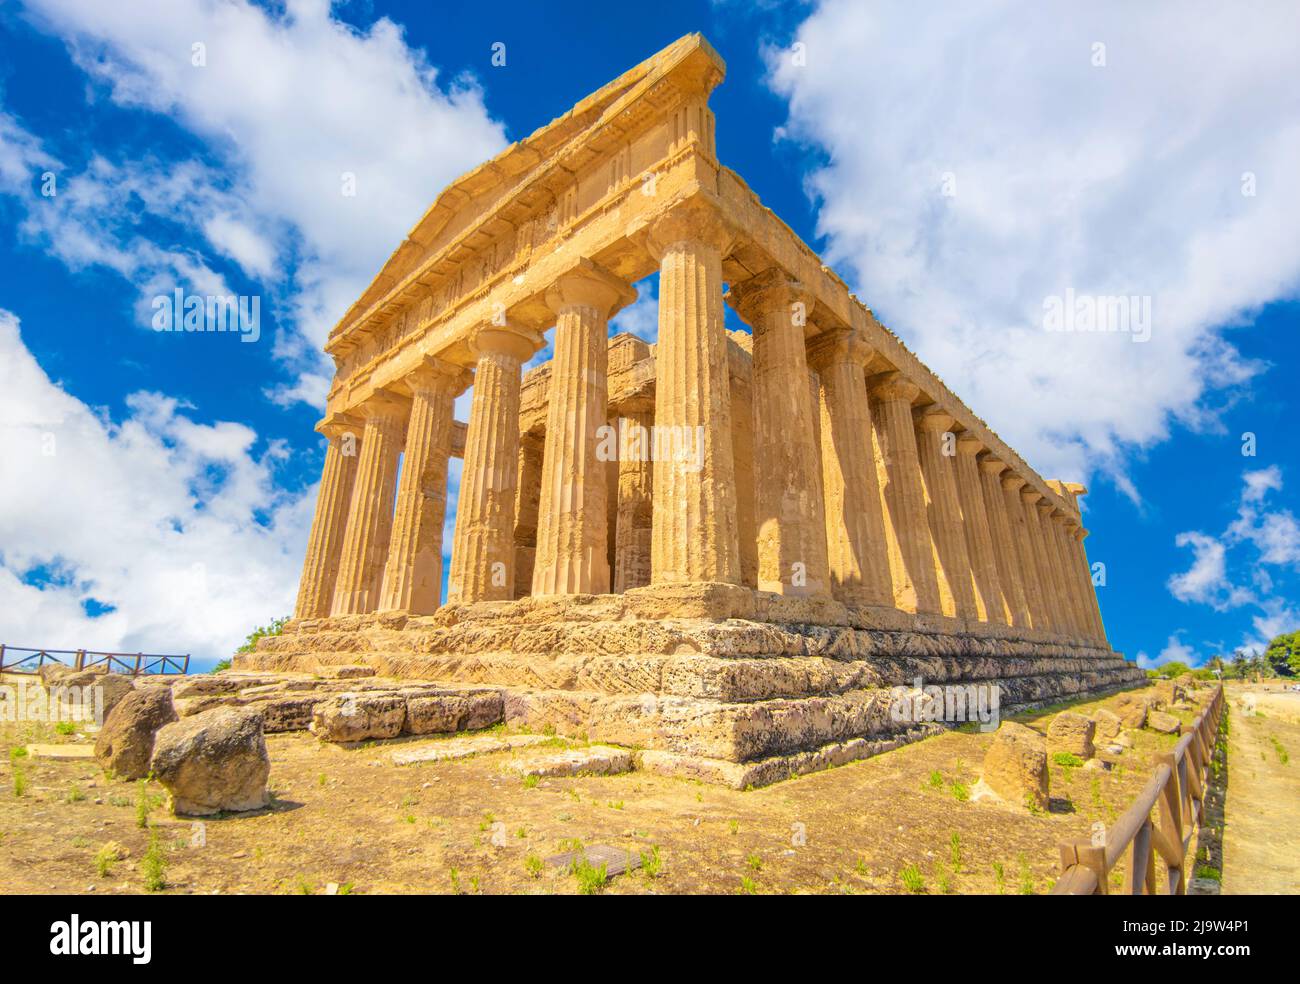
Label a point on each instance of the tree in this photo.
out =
(1172, 669)
(1283, 654)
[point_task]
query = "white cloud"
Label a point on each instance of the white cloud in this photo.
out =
(178, 526)
(1118, 180)
(1206, 580)
(1175, 651)
(288, 103)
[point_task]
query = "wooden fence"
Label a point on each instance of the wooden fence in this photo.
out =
(87, 659)
(1178, 788)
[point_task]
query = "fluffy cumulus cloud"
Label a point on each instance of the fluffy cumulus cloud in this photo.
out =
(329, 141)
(990, 168)
(1175, 651)
(150, 533)
(1249, 564)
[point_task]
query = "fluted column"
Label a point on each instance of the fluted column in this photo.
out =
(483, 551)
(572, 517)
(1094, 608)
(694, 530)
(413, 575)
(320, 568)
(1060, 607)
(528, 493)
(938, 473)
(370, 513)
(989, 596)
(1024, 549)
(1010, 575)
(787, 501)
(635, 502)
(856, 548)
(744, 467)
(1053, 520)
(911, 556)
(1052, 620)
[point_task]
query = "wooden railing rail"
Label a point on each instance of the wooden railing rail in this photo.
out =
(136, 664)
(1177, 792)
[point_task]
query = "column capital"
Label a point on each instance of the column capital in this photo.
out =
(587, 284)
(839, 345)
(933, 419)
(1030, 495)
(893, 385)
(336, 424)
(505, 339)
(382, 405)
(1011, 482)
(1080, 533)
(1071, 524)
(769, 290)
(698, 219)
(1048, 509)
(992, 465)
(968, 443)
(434, 374)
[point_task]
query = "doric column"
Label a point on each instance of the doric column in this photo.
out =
(788, 506)
(856, 549)
(413, 575)
(572, 516)
(483, 552)
(694, 531)
(989, 596)
(1094, 608)
(938, 473)
(1060, 606)
(1071, 573)
(911, 556)
(1053, 520)
(1010, 575)
(1029, 499)
(635, 502)
(1030, 576)
(528, 493)
(320, 568)
(370, 513)
(743, 465)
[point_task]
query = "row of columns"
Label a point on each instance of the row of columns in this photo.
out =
(856, 493)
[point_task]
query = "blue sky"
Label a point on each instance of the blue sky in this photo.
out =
(958, 167)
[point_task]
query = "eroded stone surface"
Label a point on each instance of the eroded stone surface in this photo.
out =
(1015, 766)
(213, 761)
(599, 760)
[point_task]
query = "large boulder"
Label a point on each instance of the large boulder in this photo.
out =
(1071, 734)
(1015, 766)
(125, 743)
(213, 761)
(1108, 725)
(1132, 708)
(1164, 723)
(359, 717)
(90, 692)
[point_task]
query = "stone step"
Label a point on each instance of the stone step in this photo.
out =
(600, 760)
(458, 748)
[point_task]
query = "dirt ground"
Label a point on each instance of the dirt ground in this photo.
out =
(1261, 843)
(900, 822)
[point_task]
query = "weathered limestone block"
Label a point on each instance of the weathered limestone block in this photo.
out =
(359, 717)
(599, 760)
(125, 743)
(443, 712)
(1071, 734)
(1132, 708)
(1164, 723)
(1015, 766)
(1108, 724)
(214, 761)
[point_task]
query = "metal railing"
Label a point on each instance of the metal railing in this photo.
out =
(1178, 788)
(136, 664)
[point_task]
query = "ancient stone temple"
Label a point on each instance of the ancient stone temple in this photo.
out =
(724, 548)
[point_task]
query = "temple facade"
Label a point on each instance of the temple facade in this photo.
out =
(724, 547)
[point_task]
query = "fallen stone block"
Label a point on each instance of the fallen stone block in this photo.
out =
(1015, 766)
(1132, 708)
(600, 760)
(1164, 723)
(1071, 734)
(1108, 724)
(70, 751)
(214, 761)
(125, 743)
